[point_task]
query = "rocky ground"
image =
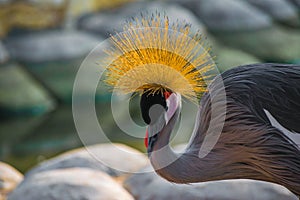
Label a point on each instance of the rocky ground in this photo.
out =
(41, 49)
(118, 172)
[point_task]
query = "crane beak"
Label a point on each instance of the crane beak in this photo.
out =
(173, 102)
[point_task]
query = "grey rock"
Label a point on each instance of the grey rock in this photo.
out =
(70, 184)
(186, 3)
(20, 94)
(235, 16)
(48, 2)
(5, 1)
(3, 53)
(109, 23)
(173, 11)
(9, 179)
(100, 23)
(146, 186)
(113, 159)
(59, 78)
(280, 10)
(296, 3)
(51, 46)
(273, 45)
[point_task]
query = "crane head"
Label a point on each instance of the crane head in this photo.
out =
(157, 110)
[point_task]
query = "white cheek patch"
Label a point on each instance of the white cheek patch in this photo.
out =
(295, 137)
(173, 102)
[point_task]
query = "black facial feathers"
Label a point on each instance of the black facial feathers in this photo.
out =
(147, 101)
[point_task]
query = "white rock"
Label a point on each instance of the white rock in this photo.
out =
(70, 184)
(146, 186)
(231, 15)
(113, 159)
(9, 179)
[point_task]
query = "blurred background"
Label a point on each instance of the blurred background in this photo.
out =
(42, 44)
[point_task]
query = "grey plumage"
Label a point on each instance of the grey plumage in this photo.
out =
(249, 146)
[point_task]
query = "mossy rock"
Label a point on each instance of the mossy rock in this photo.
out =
(55, 134)
(296, 61)
(274, 44)
(54, 58)
(20, 94)
(16, 129)
(227, 58)
(59, 77)
(24, 141)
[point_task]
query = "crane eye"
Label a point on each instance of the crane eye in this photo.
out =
(147, 101)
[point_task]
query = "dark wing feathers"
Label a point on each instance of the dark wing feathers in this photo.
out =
(274, 87)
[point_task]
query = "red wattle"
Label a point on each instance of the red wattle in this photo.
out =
(146, 139)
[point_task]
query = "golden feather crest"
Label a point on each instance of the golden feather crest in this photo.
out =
(154, 55)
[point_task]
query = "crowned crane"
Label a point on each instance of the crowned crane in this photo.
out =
(258, 138)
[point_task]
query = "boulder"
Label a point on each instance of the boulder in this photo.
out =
(70, 184)
(48, 2)
(57, 62)
(21, 94)
(174, 12)
(13, 131)
(190, 4)
(227, 58)
(59, 78)
(109, 23)
(113, 159)
(235, 16)
(9, 179)
(296, 3)
(296, 61)
(49, 136)
(146, 186)
(5, 1)
(3, 53)
(50, 46)
(78, 8)
(275, 44)
(280, 10)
